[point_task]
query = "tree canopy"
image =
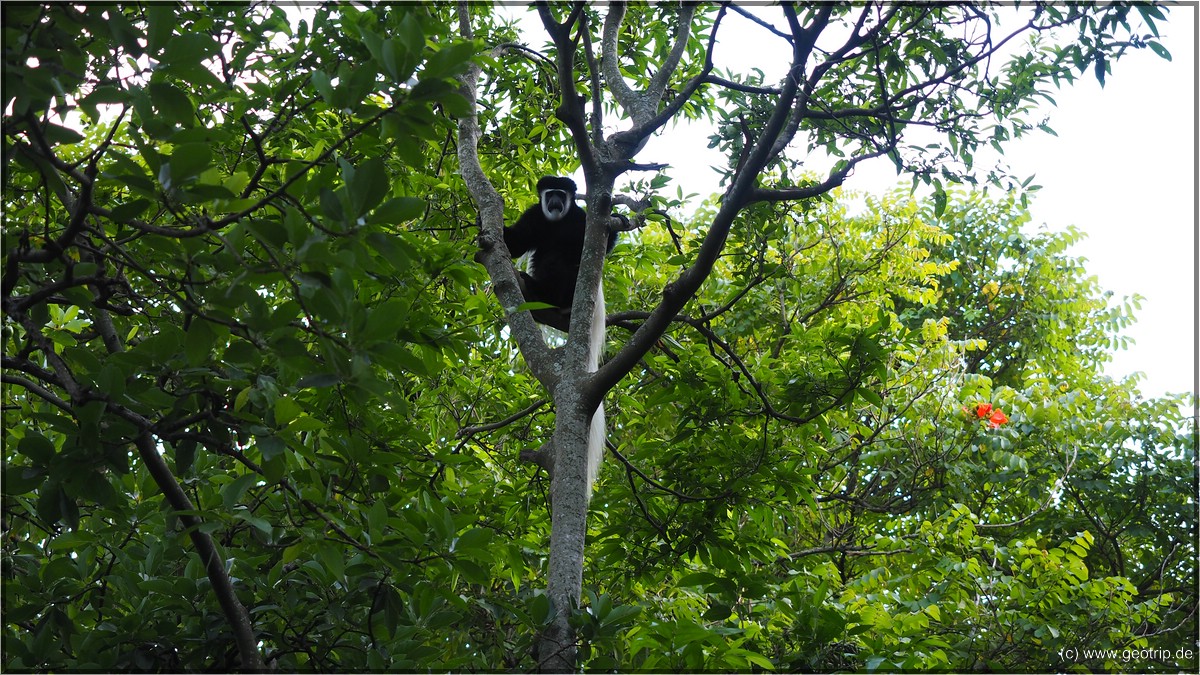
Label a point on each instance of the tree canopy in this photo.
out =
(263, 409)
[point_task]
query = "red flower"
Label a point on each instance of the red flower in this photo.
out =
(993, 416)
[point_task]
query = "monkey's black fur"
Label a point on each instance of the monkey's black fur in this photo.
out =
(553, 230)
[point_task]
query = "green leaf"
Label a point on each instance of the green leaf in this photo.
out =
(111, 379)
(60, 135)
(541, 610)
(232, 493)
(321, 82)
(456, 104)
(258, 523)
(189, 161)
(270, 446)
(187, 52)
(286, 410)
(385, 321)
(1159, 49)
(95, 488)
(939, 203)
(172, 103)
(201, 338)
(448, 61)
(124, 32)
(400, 358)
(318, 380)
(103, 94)
(130, 210)
(50, 502)
(21, 480)
(332, 560)
(397, 211)
(331, 205)
(36, 447)
(717, 612)
(870, 397)
(369, 186)
(398, 61)
(360, 83)
(410, 36)
(161, 19)
(475, 538)
(185, 456)
(395, 248)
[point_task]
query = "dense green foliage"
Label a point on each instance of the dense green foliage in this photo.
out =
(241, 245)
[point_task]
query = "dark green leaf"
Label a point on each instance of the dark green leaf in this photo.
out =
(185, 456)
(189, 161)
(397, 210)
(369, 187)
(186, 52)
(449, 60)
(318, 381)
(1159, 49)
(232, 493)
(201, 338)
(36, 447)
(61, 135)
(129, 210)
(172, 103)
(270, 447)
(321, 82)
(161, 19)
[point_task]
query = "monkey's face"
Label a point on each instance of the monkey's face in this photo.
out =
(556, 203)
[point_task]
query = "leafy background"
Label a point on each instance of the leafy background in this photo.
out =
(235, 249)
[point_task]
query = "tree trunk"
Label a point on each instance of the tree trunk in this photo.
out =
(556, 651)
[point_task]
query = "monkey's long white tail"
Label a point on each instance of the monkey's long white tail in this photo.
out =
(596, 431)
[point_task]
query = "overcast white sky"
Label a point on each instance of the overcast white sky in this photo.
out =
(1122, 169)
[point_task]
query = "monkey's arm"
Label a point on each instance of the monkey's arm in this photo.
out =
(523, 234)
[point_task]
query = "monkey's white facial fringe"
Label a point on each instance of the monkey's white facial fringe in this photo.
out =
(555, 204)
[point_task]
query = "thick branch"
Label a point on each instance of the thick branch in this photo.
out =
(591, 267)
(491, 214)
(678, 292)
(597, 120)
(683, 30)
(610, 58)
(570, 108)
(835, 179)
(214, 564)
(740, 86)
(804, 41)
(751, 16)
(642, 130)
(38, 390)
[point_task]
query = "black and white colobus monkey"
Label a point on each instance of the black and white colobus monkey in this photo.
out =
(553, 230)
